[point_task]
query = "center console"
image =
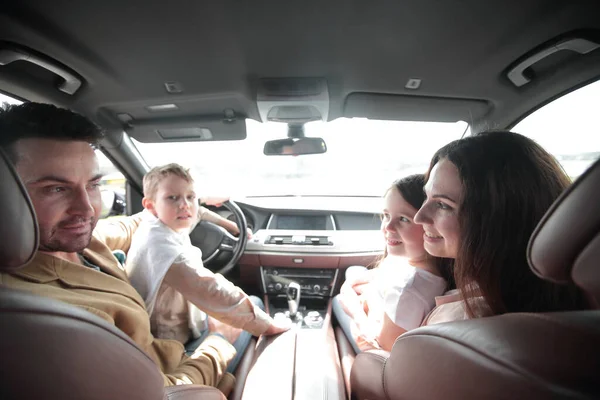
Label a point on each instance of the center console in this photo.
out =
(305, 357)
(314, 282)
(300, 295)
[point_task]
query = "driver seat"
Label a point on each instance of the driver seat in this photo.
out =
(515, 355)
(53, 350)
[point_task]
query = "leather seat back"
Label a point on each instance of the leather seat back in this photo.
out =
(52, 350)
(565, 247)
(18, 230)
(519, 355)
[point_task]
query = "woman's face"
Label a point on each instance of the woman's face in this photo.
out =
(439, 213)
(403, 237)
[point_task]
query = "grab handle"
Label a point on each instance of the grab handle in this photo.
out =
(578, 45)
(70, 84)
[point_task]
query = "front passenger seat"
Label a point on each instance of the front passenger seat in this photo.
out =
(518, 355)
(52, 350)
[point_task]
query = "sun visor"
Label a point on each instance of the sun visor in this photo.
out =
(186, 130)
(414, 108)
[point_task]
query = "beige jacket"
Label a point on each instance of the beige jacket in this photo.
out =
(109, 295)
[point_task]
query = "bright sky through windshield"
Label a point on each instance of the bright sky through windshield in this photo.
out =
(364, 156)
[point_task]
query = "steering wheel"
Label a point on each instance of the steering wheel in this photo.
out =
(220, 249)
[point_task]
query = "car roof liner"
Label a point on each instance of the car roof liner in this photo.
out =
(426, 60)
(415, 108)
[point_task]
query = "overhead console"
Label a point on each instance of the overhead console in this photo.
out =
(293, 100)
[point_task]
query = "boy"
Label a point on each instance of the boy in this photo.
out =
(167, 269)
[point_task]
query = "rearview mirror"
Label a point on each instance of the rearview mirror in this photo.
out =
(295, 146)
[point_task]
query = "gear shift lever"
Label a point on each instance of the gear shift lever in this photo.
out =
(293, 298)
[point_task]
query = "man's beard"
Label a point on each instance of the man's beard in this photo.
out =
(51, 241)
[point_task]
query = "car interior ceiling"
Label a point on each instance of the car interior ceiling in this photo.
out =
(218, 61)
(357, 48)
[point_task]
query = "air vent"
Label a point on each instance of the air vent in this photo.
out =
(299, 240)
(279, 240)
(318, 241)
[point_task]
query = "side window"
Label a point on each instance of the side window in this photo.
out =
(569, 128)
(112, 187)
(8, 100)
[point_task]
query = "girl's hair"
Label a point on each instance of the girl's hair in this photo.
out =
(509, 182)
(411, 189)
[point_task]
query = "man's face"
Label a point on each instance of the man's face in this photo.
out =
(62, 179)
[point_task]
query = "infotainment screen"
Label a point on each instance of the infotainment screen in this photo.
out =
(302, 222)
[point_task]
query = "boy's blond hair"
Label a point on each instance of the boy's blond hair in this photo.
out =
(157, 174)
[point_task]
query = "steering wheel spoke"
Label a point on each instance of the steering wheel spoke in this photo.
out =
(229, 242)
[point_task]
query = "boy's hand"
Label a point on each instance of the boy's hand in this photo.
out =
(231, 334)
(278, 327)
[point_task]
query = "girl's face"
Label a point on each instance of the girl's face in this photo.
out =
(439, 213)
(403, 237)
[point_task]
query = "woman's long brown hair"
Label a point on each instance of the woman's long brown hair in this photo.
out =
(509, 182)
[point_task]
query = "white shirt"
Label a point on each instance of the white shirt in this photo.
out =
(156, 249)
(404, 293)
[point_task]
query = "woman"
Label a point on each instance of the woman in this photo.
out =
(375, 307)
(485, 195)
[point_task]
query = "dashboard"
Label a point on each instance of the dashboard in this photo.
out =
(310, 235)
(298, 213)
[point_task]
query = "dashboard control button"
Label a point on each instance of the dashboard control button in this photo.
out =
(278, 286)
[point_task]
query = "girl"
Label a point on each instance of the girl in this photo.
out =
(374, 307)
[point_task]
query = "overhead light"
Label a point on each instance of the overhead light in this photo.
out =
(413, 84)
(162, 107)
(174, 87)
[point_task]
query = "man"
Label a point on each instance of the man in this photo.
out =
(52, 150)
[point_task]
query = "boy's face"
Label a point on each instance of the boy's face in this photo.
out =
(174, 203)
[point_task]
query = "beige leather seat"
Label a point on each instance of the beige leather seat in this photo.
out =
(525, 356)
(51, 350)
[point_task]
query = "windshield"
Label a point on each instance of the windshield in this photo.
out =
(363, 158)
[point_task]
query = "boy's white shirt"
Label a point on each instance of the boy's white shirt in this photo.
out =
(155, 248)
